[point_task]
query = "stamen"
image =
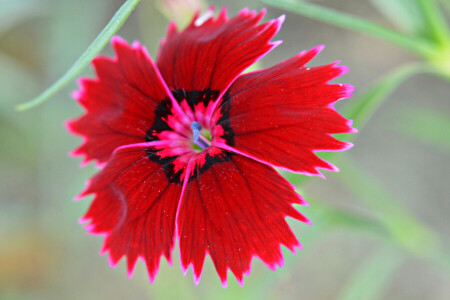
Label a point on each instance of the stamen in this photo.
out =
(198, 139)
(196, 127)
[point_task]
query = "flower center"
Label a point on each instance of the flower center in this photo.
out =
(201, 138)
(181, 140)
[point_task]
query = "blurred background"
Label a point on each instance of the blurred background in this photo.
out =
(380, 227)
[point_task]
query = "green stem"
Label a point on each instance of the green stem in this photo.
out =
(83, 61)
(372, 276)
(325, 219)
(405, 231)
(437, 26)
(364, 106)
(418, 46)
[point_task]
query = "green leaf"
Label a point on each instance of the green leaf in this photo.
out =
(414, 44)
(405, 14)
(406, 232)
(430, 127)
(332, 217)
(436, 25)
(372, 277)
(325, 219)
(93, 50)
(364, 106)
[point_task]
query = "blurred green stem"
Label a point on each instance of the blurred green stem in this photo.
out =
(364, 106)
(93, 50)
(437, 26)
(325, 219)
(405, 230)
(372, 276)
(424, 126)
(416, 45)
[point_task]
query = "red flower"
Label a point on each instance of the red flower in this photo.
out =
(187, 146)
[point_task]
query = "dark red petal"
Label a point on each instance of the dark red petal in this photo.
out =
(211, 55)
(135, 206)
(283, 114)
(120, 103)
(234, 211)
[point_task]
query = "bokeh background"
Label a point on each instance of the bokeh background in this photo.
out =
(398, 169)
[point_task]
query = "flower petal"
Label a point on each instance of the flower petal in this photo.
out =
(120, 104)
(234, 211)
(212, 53)
(135, 206)
(283, 114)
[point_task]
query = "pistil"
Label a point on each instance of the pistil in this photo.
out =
(199, 139)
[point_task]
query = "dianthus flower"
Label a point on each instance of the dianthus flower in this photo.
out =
(187, 145)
